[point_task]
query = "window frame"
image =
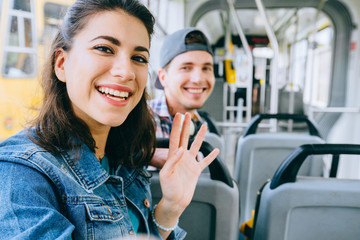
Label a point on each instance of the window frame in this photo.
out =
(32, 51)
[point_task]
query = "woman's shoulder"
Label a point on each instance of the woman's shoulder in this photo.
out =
(19, 143)
(20, 149)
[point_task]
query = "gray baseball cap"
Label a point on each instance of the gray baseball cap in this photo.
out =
(174, 44)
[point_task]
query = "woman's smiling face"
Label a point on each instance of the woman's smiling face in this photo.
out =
(106, 69)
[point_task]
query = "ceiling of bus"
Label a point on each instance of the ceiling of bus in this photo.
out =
(211, 16)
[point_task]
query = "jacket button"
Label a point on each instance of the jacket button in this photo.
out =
(131, 232)
(147, 203)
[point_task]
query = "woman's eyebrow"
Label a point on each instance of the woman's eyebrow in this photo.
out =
(109, 38)
(142, 49)
(117, 43)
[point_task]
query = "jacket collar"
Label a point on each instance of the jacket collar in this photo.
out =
(86, 167)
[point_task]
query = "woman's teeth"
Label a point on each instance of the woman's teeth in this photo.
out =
(114, 94)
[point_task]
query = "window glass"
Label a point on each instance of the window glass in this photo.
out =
(23, 5)
(14, 32)
(53, 10)
(28, 33)
(318, 81)
(298, 57)
(20, 45)
(53, 15)
(19, 65)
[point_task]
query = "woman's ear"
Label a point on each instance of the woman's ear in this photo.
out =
(59, 66)
(162, 75)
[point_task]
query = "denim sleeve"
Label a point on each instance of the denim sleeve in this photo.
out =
(29, 207)
(177, 234)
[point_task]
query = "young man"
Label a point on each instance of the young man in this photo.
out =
(186, 76)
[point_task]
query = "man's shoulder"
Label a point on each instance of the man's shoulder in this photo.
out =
(159, 106)
(158, 100)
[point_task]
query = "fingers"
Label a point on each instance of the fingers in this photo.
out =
(173, 159)
(175, 134)
(195, 146)
(179, 135)
(209, 158)
(184, 137)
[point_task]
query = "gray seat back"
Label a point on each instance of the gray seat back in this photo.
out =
(259, 155)
(214, 211)
(216, 141)
(293, 208)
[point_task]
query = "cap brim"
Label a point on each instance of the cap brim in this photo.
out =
(158, 84)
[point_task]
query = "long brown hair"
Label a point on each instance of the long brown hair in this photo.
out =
(57, 128)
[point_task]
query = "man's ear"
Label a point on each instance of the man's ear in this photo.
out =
(162, 75)
(59, 66)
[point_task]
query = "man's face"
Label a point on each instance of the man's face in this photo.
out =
(188, 81)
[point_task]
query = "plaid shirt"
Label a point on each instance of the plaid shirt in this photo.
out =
(163, 118)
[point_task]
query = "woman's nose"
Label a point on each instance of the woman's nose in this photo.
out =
(122, 68)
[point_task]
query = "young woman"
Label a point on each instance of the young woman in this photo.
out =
(80, 171)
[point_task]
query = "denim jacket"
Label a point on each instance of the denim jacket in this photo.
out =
(43, 196)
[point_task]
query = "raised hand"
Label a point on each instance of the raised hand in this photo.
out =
(179, 176)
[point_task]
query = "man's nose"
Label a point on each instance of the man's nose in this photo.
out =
(197, 75)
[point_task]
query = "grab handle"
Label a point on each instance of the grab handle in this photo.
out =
(289, 168)
(251, 129)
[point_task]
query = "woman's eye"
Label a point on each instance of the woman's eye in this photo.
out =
(104, 49)
(140, 59)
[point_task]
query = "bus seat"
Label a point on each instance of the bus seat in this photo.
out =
(217, 142)
(259, 155)
(210, 122)
(214, 211)
(292, 207)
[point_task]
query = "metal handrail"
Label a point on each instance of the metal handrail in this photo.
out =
(249, 57)
(274, 63)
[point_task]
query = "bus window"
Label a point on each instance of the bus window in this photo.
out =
(53, 15)
(19, 65)
(22, 56)
(14, 32)
(22, 5)
(20, 48)
(323, 56)
(320, 58)
(298, 59)
(54, 11)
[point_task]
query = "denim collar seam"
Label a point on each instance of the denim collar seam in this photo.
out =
(85, 181)
(130, 178)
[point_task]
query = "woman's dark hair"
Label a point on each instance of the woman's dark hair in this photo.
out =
(57, 128)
